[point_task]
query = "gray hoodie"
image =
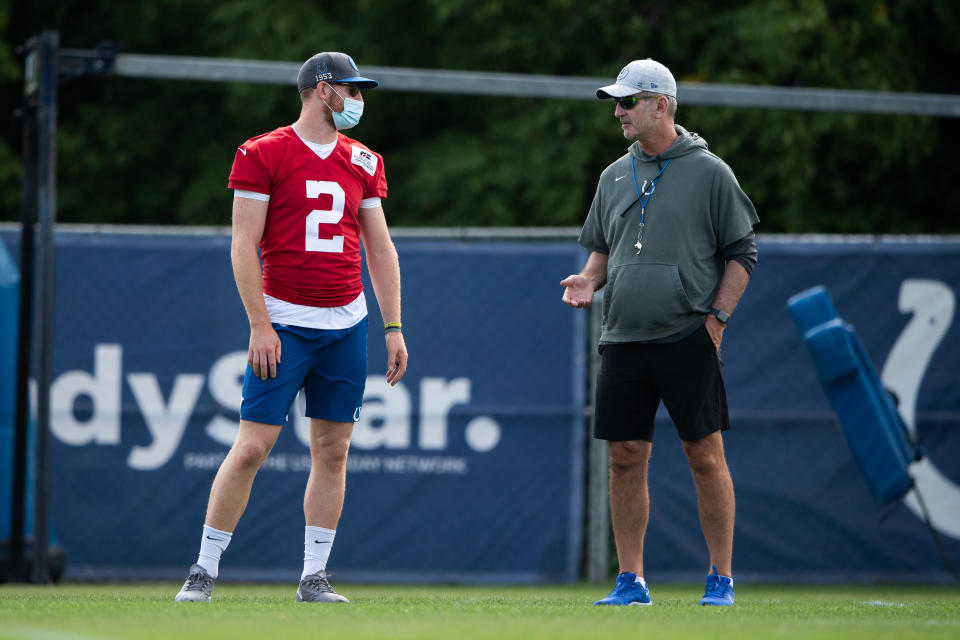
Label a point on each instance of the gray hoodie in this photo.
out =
(696, 209)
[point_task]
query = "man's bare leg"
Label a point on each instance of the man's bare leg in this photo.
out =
(715, 498)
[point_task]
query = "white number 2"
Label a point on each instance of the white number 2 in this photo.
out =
(324, 216)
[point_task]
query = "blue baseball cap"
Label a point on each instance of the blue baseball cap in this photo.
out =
(332, 66)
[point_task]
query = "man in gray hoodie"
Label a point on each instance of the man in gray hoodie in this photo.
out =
(671, 239)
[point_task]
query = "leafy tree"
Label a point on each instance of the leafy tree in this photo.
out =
(159, 152)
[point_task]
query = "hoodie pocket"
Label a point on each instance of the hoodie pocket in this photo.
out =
(646, 297)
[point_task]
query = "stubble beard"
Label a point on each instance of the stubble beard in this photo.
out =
(633, 133)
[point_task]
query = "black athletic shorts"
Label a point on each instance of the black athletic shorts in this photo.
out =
(634, 377)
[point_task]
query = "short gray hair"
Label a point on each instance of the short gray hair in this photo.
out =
(672, 106)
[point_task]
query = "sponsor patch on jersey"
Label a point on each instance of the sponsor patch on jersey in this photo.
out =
(365, 159)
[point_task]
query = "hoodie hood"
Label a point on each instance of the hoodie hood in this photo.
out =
(687, 143)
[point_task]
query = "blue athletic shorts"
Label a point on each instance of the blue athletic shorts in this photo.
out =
(329, 364)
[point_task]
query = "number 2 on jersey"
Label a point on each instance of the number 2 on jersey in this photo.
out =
(324, 216)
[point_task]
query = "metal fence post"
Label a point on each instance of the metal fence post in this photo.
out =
(598, 515)
(46, 158)
(21, 423)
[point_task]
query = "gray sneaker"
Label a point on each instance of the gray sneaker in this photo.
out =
(198, 587)
(315, 588)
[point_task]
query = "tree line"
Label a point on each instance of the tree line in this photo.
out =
(137, 151)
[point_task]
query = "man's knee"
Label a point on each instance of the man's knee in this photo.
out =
(330, 442)
(250, 454)
(332, 455)
(629, 455)
(706, 455)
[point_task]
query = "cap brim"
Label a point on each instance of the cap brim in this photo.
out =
(616, 91)
(363, 83)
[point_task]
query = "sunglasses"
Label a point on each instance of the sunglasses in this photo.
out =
(631, 101)
(352, 89)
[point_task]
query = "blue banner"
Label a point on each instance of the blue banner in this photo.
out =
(469, 469)
(472, 468)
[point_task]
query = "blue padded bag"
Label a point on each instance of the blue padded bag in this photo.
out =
(870, 421)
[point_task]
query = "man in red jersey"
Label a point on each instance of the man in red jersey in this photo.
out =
(306, 195)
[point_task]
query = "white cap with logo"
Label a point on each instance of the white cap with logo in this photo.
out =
(641, 75)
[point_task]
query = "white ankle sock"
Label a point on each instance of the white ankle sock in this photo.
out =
(212, 545)
(317, 542)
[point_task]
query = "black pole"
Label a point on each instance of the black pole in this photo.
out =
(17, 563)
(46, 216)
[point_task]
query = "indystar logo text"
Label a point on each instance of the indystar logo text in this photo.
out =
(386, 422)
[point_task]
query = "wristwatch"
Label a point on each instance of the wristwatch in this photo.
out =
(720, 315)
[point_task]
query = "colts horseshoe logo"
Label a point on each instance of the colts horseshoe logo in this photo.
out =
(932, 303)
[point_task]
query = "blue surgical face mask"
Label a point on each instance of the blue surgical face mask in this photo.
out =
(350, 116)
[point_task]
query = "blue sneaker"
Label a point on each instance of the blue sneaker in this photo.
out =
(719, 591)
(630, 590)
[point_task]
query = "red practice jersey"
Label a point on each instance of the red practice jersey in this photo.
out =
(311, 240)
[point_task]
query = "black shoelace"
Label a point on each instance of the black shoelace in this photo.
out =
(198, 582)
(319, 582)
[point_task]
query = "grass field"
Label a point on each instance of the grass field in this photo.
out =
(114, 611)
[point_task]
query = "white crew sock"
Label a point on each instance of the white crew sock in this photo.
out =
(212, 545)
(317, 543)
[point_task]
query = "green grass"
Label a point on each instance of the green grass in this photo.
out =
(114, 611)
